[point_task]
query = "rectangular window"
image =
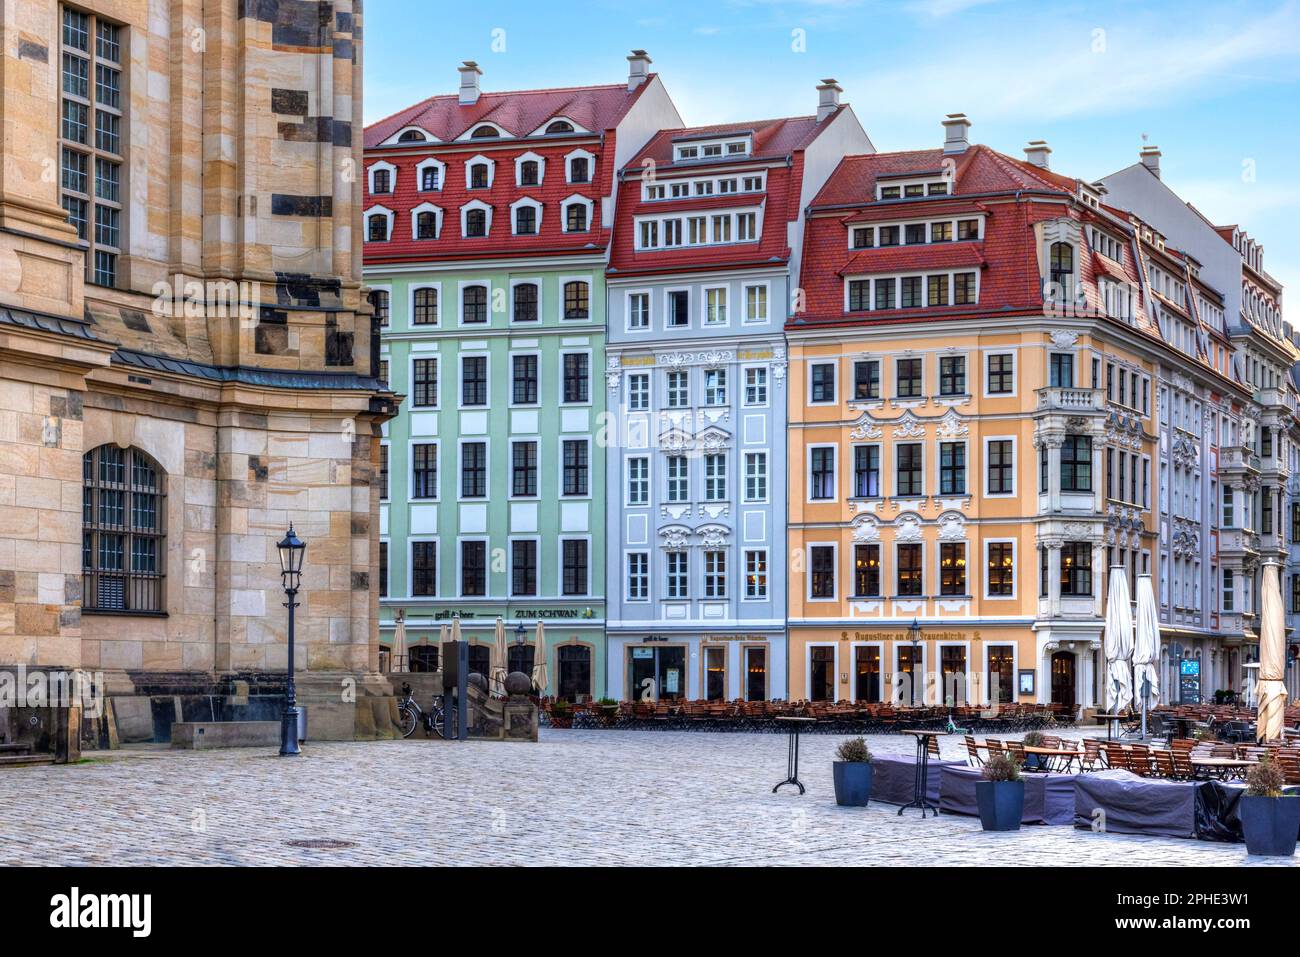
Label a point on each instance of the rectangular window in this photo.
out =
(1001, 574)
(821, 571)
(424, 470)
(866, 379)
(678, 583)
(936, 290)
(914, 233)
(638, 576)
(424, 391)
(1076, 569)
(638, 311)
(755, 476)
(952, 568)
(910, 294)
(756, 573)
(909, 480)
(1001, 464)
(821, 486)
(863, 236)
(473, 380)
(473, 569)
(526, 302)
(968, 229)
(473, 470)
(523, 469)
(1061, 371)
(1076, 464)
(715, 478)
(866, 471)
(383, 472)
(887, 235)
(941, 232)
(1002, 374)
(911, 582)
(424, 569)
(523, 387)
(715, 574)
(679, 308)
(859, 295)
(952, 375)
(715, 386)
(523, 568)
(383, 569)
(886, 293)
(679, 389)
(638, 392)
(823, 382)
(638, 480)
(963, 289)
(577, 377)
(715, 306)
(576, 466)
(952, 468)
(909, 378)
(678, 472)
(474, 304)
(574, 552)
(756, 304)
(866, 571)
(756, 385)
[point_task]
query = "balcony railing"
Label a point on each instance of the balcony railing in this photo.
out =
(1071, 400)
(1238, 457)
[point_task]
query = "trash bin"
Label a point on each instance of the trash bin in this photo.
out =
(302, 722)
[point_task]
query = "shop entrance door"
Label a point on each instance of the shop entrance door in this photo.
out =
(657, 673)
(1063, 678)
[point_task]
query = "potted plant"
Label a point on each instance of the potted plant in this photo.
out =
(852, 773)
(561, 714)
(608, 709)
(1001, 795)
(1033, 739)
(1270, 819)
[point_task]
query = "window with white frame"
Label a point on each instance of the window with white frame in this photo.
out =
(821, 472)
(679, 389)
(755, 476)
(756, 573)
(715, 478)
(715, 574)
(638, 480)
(756, 303)
(638, 576)
(756, 385)
(715, 386)
(638, 392)
(678, 472)
(679, 574)
(715, 306)
(638, 311)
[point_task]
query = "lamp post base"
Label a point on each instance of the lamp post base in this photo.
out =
(289, 733)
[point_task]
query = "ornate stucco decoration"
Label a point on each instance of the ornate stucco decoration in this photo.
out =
(952, 527)
(1064, 338)
(674, 538)
(952, 425)
(866, 429)
(713, 536)
(908, 426)
(907, 527)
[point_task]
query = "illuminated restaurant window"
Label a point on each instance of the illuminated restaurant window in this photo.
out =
(952, 568)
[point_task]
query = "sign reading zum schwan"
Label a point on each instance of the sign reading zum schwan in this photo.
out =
(575, 613)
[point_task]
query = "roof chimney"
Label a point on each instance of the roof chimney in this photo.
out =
(828, 98)
(638, 69)
(1037, 152)
(956, 133)
(469, 74)
(1150, 157)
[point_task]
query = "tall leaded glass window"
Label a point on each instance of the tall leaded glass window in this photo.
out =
(122, 542)
(91, 131)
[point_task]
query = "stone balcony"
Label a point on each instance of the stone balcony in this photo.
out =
(1238, 458)
(1279, 400)
(1056, 399)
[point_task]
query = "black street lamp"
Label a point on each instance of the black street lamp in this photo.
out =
(914, 629)
(292, 550)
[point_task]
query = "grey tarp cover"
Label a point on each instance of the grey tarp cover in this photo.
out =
(893, 780)
(1049, 798)
(1136, 805)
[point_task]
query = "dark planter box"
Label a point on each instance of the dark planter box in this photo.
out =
(1001, 804)
(1270, 825)
(852, 783)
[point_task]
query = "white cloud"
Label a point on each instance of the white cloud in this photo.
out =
(944, 8)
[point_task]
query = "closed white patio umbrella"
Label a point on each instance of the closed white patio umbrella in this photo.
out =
(499, 657)
(1146, 648)
(1118, 642)
(399, 653)
(1270, 691)
(540, 672)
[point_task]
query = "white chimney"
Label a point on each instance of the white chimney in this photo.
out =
(1037, 152)
(828, 98)
(1150, 157)
(638, 69)
(956, 133)
(469, 74)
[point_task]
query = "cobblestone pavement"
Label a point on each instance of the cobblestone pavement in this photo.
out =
(577, 798)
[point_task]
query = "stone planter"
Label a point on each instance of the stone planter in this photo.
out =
(1001, 804)
(852, 782)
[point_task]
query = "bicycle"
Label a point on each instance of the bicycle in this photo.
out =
(412, 715)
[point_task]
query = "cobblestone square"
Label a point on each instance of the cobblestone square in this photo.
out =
(577, 798)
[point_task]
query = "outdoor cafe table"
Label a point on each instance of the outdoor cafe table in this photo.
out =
(1222, 766)
(922, 770)
(1112, 720)
(1069, 756)
(794, 726)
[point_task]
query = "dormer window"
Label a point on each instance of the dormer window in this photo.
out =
(528, 173)
(485, 133)
(527, 214)
(891, 192)
(478, 176)
(575, 218)
(688, 152)
(378, 228)
(426, 225)
(1062, 269)
(560, 126)
(734, 148)
(383, 181)
(412, 136)
(712, 149)
(475, 222)
(579, 170)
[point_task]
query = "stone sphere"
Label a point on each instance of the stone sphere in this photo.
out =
(518, 683)
(478, 681)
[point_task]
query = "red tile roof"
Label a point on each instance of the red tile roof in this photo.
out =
(1008, 192)
(519, 113)
(773, 139)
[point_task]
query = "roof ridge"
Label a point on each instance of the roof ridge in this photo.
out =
(539, 90)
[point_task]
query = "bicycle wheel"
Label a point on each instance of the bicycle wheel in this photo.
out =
(437, 721)
(408, 721)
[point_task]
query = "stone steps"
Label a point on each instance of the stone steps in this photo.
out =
(24, 760)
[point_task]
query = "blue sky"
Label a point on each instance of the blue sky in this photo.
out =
(1215, 85)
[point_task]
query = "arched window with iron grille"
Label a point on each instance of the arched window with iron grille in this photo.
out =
(123, 531)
